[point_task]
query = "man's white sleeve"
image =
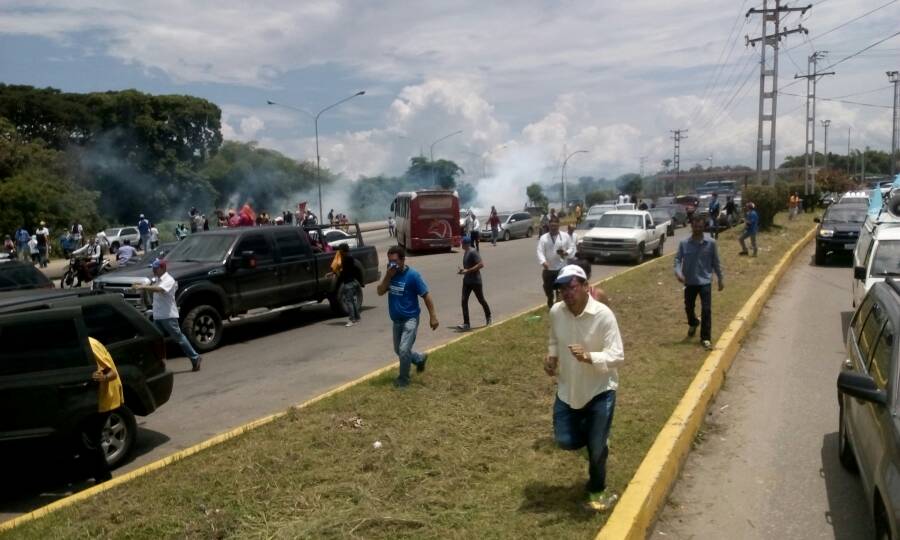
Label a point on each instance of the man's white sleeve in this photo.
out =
(540, 251)
(613, 353)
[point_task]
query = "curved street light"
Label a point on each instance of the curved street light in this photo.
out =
(563, 176)
(431, 149)
(315, 118)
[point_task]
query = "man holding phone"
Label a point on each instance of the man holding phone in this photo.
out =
(553, 250)
(405, 285)
(585, 348)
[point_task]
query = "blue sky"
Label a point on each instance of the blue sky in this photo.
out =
(526, 82)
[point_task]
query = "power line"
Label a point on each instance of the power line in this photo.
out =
(730, 89)
(863, 92)
(842, 101)
(859, 52)
(838, 27)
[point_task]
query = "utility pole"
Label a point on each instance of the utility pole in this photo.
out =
(677, 137)
(825, 124)
(773, 17)
(809, 156)
(643, 160)
(894, 77)
(848, 150)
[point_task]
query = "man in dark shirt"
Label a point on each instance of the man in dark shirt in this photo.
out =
(471, 272)
(695, 262)
(349, 283)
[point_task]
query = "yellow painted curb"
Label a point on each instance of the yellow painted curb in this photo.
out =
(222, 437)
(651, 483)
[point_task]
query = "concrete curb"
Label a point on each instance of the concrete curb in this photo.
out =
(649, 487)
(249, 426)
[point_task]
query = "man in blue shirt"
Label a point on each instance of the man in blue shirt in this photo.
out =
(144, 228)
(404, 285)
(751, 227)
(695, 262)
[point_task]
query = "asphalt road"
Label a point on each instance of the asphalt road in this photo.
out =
(271, 362)
(767, 464)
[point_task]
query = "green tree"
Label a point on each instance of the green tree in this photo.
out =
(536, 195)
(598, 196)
(441, 173)
(631, 184)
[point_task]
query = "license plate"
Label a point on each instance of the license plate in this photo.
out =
(849, 246)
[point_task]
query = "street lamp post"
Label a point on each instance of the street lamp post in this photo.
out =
(825, 124)
(431, 148)
(315, 118)
(563, 176)
(484, 160)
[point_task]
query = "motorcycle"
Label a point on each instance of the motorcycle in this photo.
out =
(82, 270)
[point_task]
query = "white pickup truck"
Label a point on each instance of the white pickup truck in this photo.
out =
(629, 234)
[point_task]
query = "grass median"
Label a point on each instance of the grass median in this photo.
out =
(465, 451)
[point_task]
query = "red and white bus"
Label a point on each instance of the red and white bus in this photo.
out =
(427, 219)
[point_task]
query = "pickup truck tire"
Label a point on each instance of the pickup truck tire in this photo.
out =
(203, 327)
(337, 307)
(845, 448)
(119, 435)
(639, 258)
(659, 248)
(820, 256)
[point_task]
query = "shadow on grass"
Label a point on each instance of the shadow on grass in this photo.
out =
(547, 498)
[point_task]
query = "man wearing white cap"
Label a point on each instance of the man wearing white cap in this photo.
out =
(165, 310)
(585, 348)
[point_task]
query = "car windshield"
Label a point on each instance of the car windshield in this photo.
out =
(886, 261)
(588, 224)
(112, 232)
(201, 248)
(599, 211)
(503, 217)
(620, 221)
(845, 214)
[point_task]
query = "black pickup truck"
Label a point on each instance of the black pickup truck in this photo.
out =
(236, 272)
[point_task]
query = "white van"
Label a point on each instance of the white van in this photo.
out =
(877, 255)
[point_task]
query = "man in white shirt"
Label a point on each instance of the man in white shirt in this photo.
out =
(553, 250)
(584, 350)
(165, 310)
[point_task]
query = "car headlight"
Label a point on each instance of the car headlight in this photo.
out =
(826, 233)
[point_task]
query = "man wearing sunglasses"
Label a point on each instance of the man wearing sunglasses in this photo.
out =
(585, 348)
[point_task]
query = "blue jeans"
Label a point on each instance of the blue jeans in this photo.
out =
(589, 426)
(404, 339)
(145, 243)
(752, 237)
(170, 328)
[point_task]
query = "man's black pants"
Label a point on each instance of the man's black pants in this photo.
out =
(94, 458)
(690, 301)
(476, 240)
(549, 277)
(468, 289)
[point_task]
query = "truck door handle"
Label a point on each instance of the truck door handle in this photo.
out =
(74, 386)
(848, 364)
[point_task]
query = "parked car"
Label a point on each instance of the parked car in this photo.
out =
(869, 404)
(854, 197)
(226, 273)
(663, 216)
(597, 210)
(335, 237)
(876, 254)
(679, 215)
(512, 225)
(18, 275)
(623, 233)
(116, 237)
(838, 230)
(46, 390)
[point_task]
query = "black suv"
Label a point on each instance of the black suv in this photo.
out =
(869, 404)
(46, 390)
(838, 230)
(230, 273)
(17, 275)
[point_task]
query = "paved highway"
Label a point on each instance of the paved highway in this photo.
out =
(271, 362)
(767, 466)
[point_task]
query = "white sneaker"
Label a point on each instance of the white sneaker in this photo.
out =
(349, 324)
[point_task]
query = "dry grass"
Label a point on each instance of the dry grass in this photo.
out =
(467, 450)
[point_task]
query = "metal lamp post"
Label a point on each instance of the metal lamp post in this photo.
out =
(431, 153)
(562, 175)
(825, 124)
(315, 118)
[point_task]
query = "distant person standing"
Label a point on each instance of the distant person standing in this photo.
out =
(331, 217)
(573, 237)
(751, 227)
(33, 250)
(42, 236)
(714, 210)
(392, 226)
(494, 223)
(22, 237)
(642, 205)
(471, 273)
(165, 310)
(349, 282)
(404, 285)
(695, 262)
(110, 396)
(578, 213)
(154, 236)
(584, 352)
(77, 234)
(730, 211)
(144, 229)
(553, 250)
(793, 205)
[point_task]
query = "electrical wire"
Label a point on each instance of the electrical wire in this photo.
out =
(859, 52)
(853, 20)
(841, 101)
(880, 89)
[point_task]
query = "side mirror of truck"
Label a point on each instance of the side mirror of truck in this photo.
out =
(859, 272)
